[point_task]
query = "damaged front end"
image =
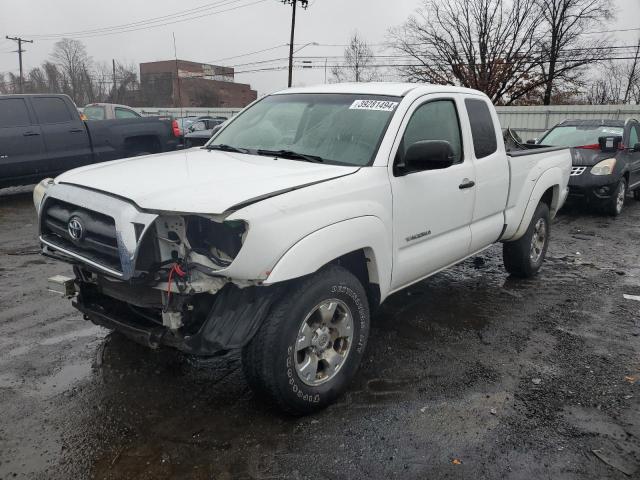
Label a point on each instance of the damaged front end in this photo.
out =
(157, 278)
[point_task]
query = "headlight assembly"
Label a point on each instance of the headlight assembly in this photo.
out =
(218, 241)
(605, 167)
(39, 191)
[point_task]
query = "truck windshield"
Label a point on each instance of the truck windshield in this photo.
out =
(577, 136)
(340, 129)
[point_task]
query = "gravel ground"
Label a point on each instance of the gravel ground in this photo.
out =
(469, 374)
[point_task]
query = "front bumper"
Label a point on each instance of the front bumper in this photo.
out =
(229, 323)
(592, 188)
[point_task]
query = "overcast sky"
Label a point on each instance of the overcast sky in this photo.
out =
(262, 25)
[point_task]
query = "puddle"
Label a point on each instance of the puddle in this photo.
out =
(64, 379)
(93, 331)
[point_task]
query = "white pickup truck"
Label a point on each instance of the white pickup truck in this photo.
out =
(297, 219)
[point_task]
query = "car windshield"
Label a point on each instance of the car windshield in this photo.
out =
(332, 128)
(577, 136)
(95, 112)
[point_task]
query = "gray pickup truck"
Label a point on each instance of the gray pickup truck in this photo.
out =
(43, 135)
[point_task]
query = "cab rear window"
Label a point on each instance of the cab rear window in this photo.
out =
(94, 113)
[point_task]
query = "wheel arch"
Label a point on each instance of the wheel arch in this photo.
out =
(361, 245)
(546, 190)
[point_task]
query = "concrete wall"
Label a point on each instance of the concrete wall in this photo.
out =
(531, 122)
(188, 111)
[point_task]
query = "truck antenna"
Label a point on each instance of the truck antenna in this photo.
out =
(175, 54)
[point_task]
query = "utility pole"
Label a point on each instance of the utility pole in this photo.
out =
(632, 74)
(113, 91)
(20, 51)
(293, 3)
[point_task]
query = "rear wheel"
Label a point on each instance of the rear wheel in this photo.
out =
(616, 202)
(524, 257)
(310, 345)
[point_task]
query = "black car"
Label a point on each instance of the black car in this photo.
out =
(606, 160)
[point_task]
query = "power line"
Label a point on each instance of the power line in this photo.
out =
(249, 53)
(181, 13)
(148, 27)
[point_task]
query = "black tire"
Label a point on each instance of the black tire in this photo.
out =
(613, 206)
(517, 255)
(269, 360)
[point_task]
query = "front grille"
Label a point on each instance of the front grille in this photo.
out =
(97, 240)
(575, 171)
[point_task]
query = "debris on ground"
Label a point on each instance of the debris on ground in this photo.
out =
(617, 461)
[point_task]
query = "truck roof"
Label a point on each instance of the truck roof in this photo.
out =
(379, 88)
(592, 123)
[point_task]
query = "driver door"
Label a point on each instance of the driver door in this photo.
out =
(432, 209)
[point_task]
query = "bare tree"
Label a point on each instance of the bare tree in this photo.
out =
(608, 88)
(489, 45)
(617, 82)
(75, 64)
(358, 60)
(565, 50)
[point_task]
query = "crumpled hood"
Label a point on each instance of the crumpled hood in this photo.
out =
(199, 180)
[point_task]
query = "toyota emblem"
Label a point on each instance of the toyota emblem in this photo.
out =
(75, 228)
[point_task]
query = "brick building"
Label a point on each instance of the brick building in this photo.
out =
(200, 85)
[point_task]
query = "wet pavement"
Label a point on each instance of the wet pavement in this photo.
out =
(469, 374)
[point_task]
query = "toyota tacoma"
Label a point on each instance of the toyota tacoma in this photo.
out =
(294, 222)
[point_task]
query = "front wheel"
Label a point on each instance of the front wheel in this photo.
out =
(616, 202)
(523, 258)
(310, 345)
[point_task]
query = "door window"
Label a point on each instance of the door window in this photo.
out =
(482, 131)
(13, 113)
(125, 113)
(51, 110)
(436, 120)
(633, 138)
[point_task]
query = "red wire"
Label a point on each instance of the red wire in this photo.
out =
(175, 268)
(169, 284)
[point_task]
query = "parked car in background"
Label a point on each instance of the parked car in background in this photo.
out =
(183, 124)
(606, 160)
(108, 111)
(200, 132)
(304, 213)
(44, 135)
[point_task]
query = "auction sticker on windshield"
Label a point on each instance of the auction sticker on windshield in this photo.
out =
(378, 105)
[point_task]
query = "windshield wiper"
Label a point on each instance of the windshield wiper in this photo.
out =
(290, 154)
(227, 148)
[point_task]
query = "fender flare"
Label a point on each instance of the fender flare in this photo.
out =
(317, 249)
(551, 178)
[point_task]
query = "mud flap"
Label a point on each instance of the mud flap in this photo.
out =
(233, 319)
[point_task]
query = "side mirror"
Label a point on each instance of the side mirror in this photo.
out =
(428, 155)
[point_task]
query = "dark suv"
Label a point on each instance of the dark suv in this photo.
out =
(606, 159)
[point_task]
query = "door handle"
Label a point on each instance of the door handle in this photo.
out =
(30, 134)
(76, 130)
(466, 183)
